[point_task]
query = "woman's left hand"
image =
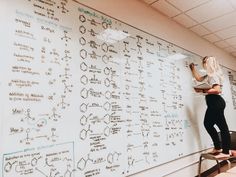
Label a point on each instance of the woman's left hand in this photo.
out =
(213, 91)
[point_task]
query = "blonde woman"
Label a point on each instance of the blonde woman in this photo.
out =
(215, 106)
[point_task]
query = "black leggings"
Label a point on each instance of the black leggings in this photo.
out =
(215, 116)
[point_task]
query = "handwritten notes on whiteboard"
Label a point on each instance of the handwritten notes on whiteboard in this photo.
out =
(88, 95)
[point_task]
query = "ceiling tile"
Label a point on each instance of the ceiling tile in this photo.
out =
(210, 10)
(212, 37)
(166, 8)
(149, 1)
(221, 22)
(186, 4)
(227, 33)
(222, 44)
(234, 54)
(200, 30)
(230, 49)
(231, 41)
(185, 20)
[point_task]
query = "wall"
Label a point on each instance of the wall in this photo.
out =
(138, 14)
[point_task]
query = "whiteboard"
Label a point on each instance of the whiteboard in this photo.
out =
(85, 94)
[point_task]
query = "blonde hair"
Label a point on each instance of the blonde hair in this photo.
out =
(213, 68)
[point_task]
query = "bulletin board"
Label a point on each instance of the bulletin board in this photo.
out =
(84, 94)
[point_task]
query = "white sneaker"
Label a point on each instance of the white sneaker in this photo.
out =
(222, 156)
(215, 151)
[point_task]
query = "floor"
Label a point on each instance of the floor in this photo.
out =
(222, 169)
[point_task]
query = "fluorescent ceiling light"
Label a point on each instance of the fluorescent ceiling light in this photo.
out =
(112, 36)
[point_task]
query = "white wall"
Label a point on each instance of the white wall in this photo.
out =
(140, 15)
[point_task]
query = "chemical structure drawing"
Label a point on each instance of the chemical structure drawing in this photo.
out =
(28, 139)
(84, 80)
(126, 44)
(105, 25)
(66, 75)
(130, 162)
(139, 49)
(82, 41)
(84, 133)
(107, 82)
(67, 87)
(65, 38)
(82, 29)
(106, 119)
(83, 66)
(83, 54)
(108, 95)
(66, 58)
(69, 172)
(83, 107)
(84, 93)
(47, 163)
(107, 106)
(34, 161)
(54, 116)
(63, 104)
(8, 166)
(106, 48)
(106, 59)
(93, 55)
(93, 33)
(28, 117)
(82, 163)
(82, 18)
(84, 119)
(27, 165)
(107, 131)
(139, 38)
(113, 157)
(63, 6)
(93, 44)
(53, 135)
(107, 70)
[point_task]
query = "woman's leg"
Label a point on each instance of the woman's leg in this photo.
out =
(224, 131)
(209, 122)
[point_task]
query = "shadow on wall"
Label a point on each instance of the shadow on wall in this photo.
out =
(193, 118)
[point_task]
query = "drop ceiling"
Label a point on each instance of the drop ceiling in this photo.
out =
(213, 20)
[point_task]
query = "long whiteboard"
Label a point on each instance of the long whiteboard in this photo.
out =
(84, 94)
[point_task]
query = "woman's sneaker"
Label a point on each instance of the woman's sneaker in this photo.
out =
(215, 151)
(222, 156)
